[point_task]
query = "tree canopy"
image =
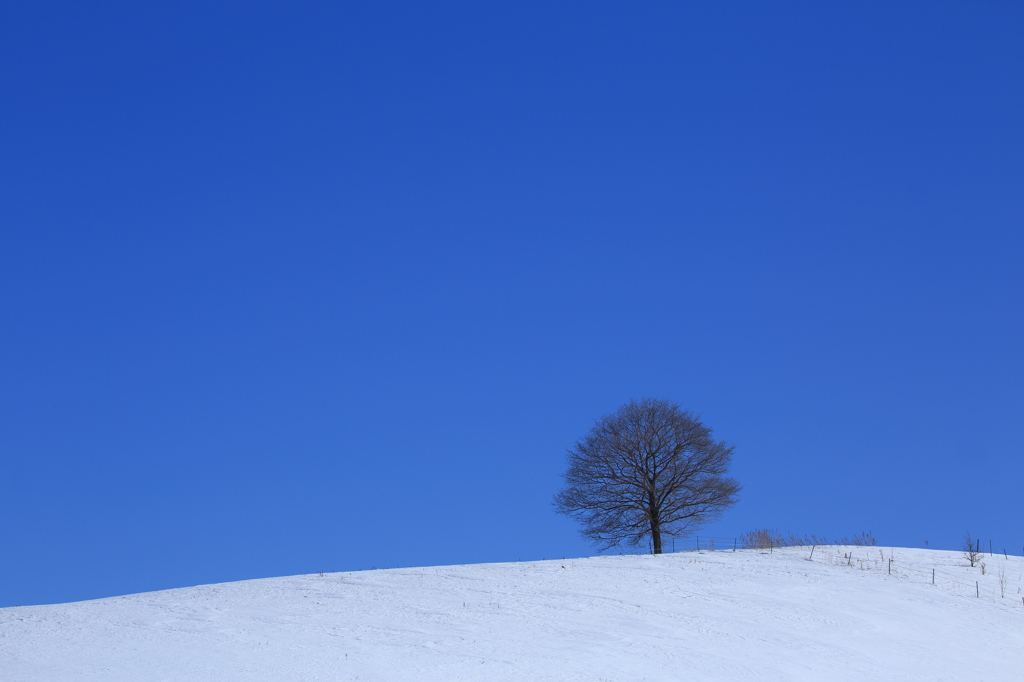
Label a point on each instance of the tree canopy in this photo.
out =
(648, 470)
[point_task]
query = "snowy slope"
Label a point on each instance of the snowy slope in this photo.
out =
(743, 615)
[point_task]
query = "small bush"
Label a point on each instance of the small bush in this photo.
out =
(762, 538)
(765, 538)
(971, 549)
(865, 539)
(806, 540)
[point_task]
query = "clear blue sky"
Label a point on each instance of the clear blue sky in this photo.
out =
(297, 287)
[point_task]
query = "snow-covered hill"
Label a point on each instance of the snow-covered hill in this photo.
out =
(692, 616)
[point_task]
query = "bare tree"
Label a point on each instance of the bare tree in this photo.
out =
(972, 549)
(647, 470)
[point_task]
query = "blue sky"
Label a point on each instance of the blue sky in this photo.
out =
(299, 287)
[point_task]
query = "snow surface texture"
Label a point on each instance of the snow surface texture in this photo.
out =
(724, 615)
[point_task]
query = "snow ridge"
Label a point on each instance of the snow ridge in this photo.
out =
(723, 615)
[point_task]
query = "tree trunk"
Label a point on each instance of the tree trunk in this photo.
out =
(656, 536)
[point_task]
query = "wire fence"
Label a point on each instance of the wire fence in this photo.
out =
(697, 543)
(998, 576)
(994, 576)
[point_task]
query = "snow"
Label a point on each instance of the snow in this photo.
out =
(725, 615)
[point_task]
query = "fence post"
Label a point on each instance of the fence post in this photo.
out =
(890, 566)
(734, 545)
(933, 576)
(977, 590)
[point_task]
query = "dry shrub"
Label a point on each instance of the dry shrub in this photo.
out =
(762, 538)
(811, 540)
(865, 539)
(765, 538)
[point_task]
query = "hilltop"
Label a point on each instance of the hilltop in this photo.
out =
(722, 615)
